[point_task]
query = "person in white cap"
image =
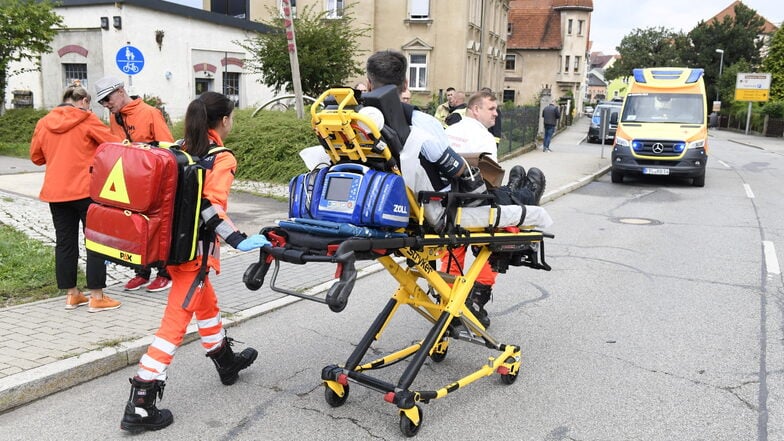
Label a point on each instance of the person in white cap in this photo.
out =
(136, 121)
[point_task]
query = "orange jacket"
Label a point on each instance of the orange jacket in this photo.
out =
(65, 140)
(144, 123)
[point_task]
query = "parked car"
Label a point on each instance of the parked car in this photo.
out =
(595, 128)
(588, 110)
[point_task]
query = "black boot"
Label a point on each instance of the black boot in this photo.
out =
(477, 300)
(535, 182)
(140, 411)
(516, 178)
(230, 364)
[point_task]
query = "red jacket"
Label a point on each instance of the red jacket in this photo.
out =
(65, 140)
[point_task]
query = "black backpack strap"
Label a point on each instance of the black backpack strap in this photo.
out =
(119, 119)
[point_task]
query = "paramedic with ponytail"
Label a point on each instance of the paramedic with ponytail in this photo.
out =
(208, 120)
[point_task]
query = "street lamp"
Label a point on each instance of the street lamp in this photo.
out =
(721, 65)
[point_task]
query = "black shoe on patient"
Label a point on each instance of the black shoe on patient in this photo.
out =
(516, 178)
(535, 182)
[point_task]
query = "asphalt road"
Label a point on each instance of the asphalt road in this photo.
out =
(661, 320)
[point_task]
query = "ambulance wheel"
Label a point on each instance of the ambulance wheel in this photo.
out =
(407, 427)
(251, 284)
(333, 399)
(616, 177)
(509, 378)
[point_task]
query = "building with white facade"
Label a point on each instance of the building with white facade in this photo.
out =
(158, 48)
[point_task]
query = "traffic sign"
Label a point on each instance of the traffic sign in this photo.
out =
(130, 60)
(751, 95)
(752, 87)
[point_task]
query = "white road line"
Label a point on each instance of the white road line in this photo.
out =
(771, 261)
(724, 164)
(749, 193)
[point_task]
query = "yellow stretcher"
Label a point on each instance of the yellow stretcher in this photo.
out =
(443, 303)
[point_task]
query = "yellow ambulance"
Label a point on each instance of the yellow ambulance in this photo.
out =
(662, 130)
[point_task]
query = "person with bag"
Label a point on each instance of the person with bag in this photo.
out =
(65, 140)
(208, 120)
(136, 121)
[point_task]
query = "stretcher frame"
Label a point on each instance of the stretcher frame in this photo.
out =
(443, 304)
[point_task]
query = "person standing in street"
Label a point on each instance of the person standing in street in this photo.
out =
(136, 121)
(551, 114)
(65, 140)
(208, 120)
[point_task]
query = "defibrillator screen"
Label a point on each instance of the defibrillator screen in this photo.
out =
(338, 189)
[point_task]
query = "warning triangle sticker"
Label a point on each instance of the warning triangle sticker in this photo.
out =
(114, 188)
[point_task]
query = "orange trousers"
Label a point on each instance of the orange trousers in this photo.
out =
(455, 266)
(203, 304)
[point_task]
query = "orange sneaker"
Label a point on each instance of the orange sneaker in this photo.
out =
(75, 301)
(104, 304)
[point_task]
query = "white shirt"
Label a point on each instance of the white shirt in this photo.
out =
(471, 136)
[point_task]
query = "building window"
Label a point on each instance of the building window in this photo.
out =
(509, 95)
(566, 64)
(202, 85)
(509, 28)
(576, 64)
(73, 72)
(580, 26)
(569, 27)
(510, 61)
(417, 71)
(231, 87)
(334, 8)
(419, 9)
(234, 8)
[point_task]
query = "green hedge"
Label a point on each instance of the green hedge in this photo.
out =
(266, 146)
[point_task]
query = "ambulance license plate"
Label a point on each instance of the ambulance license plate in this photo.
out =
(655, 171)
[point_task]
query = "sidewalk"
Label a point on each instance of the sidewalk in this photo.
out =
(46, 349)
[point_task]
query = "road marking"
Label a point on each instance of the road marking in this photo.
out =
(749, 193)
(724, 163)
(771, 261)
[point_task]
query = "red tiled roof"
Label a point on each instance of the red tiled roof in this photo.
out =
(535, 25)
(767, 27)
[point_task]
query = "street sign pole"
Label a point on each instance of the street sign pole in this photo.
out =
(748, 118)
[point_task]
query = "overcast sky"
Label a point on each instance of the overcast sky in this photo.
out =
(611, 20)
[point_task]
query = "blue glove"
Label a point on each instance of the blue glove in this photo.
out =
(254, 242)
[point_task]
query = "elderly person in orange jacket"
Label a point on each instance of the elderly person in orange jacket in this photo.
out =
(136, 121)
(65, 140)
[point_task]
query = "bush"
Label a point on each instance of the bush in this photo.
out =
(774, 109)
(17, 125)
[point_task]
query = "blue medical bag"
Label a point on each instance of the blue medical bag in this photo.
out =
(351, 193)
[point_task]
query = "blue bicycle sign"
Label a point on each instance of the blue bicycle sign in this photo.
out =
(130, 60)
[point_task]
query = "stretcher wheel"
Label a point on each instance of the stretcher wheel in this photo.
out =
(407, 427)
(509, 378)
(333, 399)
(248, 278)
(439, 357)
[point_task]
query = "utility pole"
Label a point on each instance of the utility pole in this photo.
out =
(293, 59)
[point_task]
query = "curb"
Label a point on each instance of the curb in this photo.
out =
(25, 387)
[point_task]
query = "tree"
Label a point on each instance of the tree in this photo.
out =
(649, 47)
(27, 27)
(736, 36)
(774, 64)
(327, 50)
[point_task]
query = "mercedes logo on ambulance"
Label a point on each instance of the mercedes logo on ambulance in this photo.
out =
(658, 148)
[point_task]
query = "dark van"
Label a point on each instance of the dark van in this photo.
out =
(595, 129)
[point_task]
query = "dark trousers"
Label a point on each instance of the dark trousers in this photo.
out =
(66, 217)
(147, 272)
(549, 130)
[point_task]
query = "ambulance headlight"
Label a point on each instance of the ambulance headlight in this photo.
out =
(698, 144)
(621, 142)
